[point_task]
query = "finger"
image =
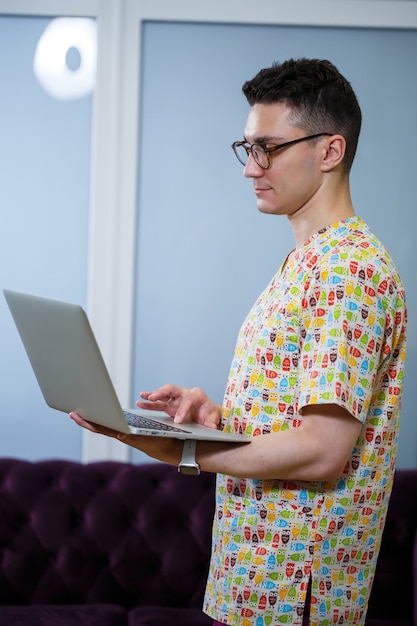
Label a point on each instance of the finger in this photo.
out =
(148, 396)
(76, 417)
(187, 410)
(94, 428)
(157, 406)
(166, 399)
(145, 394)
(212, 420)
(164, 393)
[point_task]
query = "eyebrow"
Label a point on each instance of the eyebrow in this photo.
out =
(266, 139)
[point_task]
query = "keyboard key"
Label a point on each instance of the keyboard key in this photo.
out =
(140, 421)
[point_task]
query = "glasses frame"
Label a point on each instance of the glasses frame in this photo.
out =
(249, 148)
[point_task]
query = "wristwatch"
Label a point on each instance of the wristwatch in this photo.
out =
(188, 464)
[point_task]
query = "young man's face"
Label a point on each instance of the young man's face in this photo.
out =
(294, 177)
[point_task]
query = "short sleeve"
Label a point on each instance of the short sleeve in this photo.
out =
(350, 316)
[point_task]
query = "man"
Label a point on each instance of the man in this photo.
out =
(316, 378)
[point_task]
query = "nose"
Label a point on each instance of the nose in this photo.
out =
(252, 169)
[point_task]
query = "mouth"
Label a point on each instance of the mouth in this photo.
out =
(260, 190)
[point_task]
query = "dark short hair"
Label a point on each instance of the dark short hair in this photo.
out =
(321, 99)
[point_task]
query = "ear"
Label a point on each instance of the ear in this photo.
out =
(333, 152)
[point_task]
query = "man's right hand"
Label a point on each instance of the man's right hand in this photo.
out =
(183, 404)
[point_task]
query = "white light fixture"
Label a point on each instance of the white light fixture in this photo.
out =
(62, 36)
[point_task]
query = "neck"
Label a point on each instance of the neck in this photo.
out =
(326, 208)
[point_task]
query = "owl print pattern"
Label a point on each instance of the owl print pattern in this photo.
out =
(329, 329)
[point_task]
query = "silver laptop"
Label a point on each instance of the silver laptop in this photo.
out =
(72, 374)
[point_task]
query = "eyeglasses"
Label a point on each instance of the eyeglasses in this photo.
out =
(260, 153)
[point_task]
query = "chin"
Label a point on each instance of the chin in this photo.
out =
(267, 210)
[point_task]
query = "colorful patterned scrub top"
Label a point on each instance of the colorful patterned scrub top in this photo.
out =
(329, 328)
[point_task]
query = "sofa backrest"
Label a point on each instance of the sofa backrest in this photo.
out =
(394, 593)
(140, 535)
(104, 532)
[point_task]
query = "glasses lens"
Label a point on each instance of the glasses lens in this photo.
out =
(240, 152)
(258, 153)
(260, 156)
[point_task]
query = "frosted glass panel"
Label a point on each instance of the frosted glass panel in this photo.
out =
(204, 252)
(44, 195)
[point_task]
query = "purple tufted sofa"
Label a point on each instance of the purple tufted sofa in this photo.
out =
(113, 544)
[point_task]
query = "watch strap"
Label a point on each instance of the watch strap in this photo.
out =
(188, 463)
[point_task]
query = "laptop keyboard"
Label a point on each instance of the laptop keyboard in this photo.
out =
(140, 421)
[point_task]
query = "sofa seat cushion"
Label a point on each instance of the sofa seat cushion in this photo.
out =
(64, 615)
(158, 615)
(388, 622)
